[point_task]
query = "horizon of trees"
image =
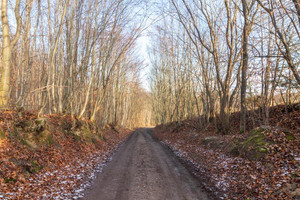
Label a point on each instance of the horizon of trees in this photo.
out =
(76, 57)
(213, 58)
(208, 59)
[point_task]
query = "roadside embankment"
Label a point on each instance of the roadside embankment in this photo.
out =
(51, 157)
(263, 163)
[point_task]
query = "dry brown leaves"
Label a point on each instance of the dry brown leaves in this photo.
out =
(55, 171)
(275, 176)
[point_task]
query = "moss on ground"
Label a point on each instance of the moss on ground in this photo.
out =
(50, 140)
(254, 146)
(35, 167)
(2, 134)
(39, 132)
(10, 179)
(289, 136)
(33, 134)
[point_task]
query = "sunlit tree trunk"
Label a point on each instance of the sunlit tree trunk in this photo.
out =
(7, 51)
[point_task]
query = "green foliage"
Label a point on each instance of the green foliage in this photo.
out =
(262, 150)
(7, 180)
(40, 126)
(293, 175)
(253, 147)
(39, 121)
(35, 167)
(83, 132)
(89, 136)
(2, 134)
(86, 134)
(24, 142)
(33, 134)
(50, 140)
(256, 137)
(289, 136)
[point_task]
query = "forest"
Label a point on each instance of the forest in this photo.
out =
(218, 82)
(211, 59)
(75, 57)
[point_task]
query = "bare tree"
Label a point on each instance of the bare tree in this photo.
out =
(8, 45)
(247, 7)
(285, 46)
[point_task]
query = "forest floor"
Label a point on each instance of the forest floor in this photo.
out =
(263, 163)
(60, 157)
(52, 157)
(144, 169)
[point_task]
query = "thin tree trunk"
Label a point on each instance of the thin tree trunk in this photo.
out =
(244, 67)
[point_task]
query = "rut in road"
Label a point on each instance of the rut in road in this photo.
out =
(143, 169)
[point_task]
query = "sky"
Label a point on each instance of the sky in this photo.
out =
(150, 8)
(153, 10)
(142, 44)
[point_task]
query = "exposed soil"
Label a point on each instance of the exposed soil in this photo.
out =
(145, 169)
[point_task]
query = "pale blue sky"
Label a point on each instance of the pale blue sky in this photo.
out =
(144, 42)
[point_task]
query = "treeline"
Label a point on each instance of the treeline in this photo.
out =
(211, 58)
(73, 56)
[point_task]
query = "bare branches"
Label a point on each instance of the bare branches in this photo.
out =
(19, 23)
(78, 57)
(224, 39)
(286, 52)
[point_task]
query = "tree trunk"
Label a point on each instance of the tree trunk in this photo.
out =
(224, 114)
(244, 67)
(297, 6)
(7, 50)
(6, 57)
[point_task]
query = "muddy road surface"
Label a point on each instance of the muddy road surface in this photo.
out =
(144, 169)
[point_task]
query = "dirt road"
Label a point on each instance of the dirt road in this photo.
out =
(143, 169)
